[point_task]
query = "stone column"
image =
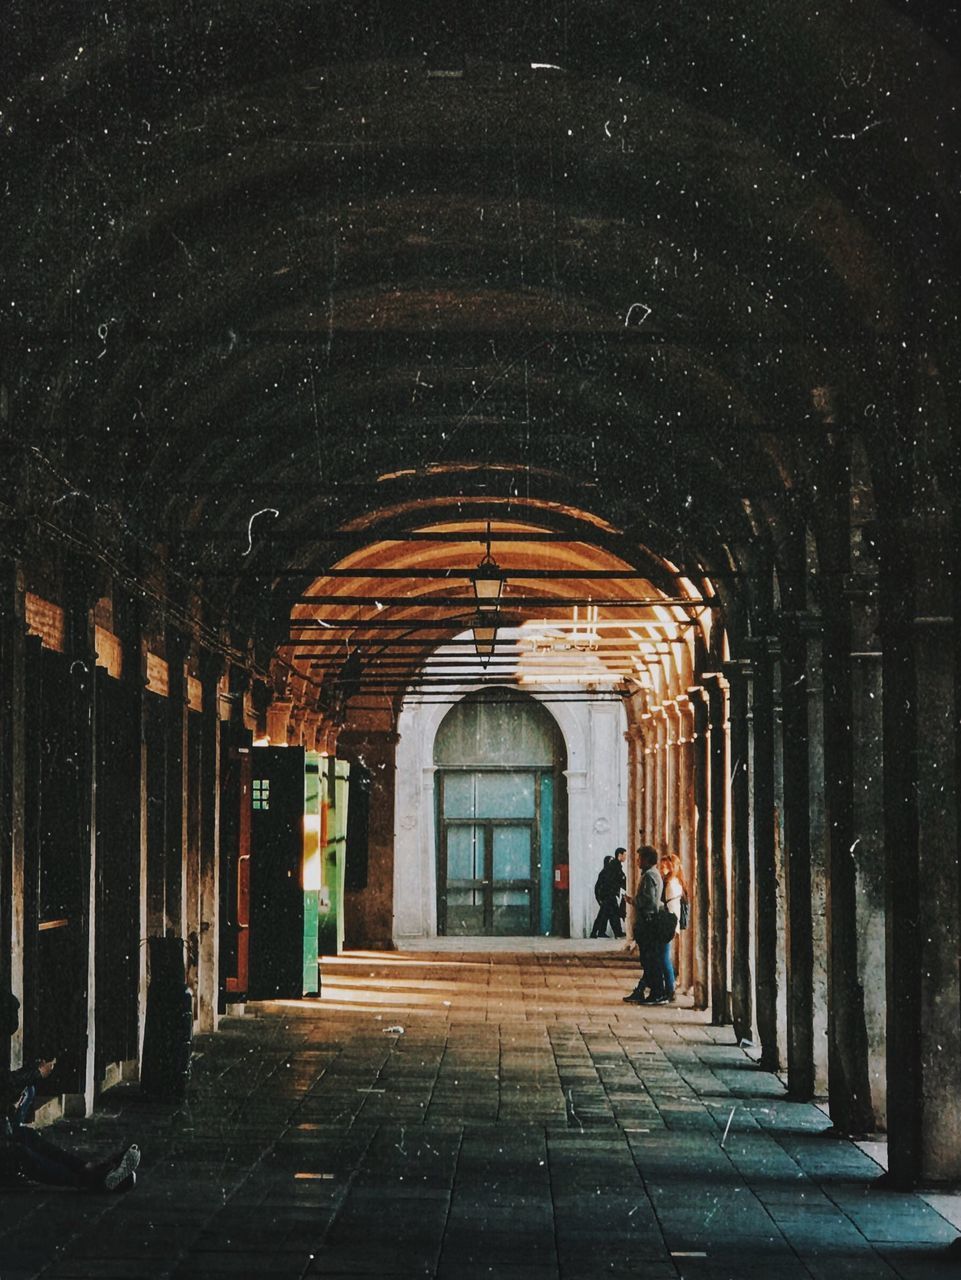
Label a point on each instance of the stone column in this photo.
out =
(278, 721)
(701, 887)
(720, 861)
(686, 811)
(635, 827)
(796, 748)
(177, 783)
(674, 799)
(762, 695)
(208, 976)
(311, 729)
(742, 855)
(648, 788)
(867, 700)
(81, 726)
(819, 846)
(635, 754)
(12, 787)
(128, 622)
(672, 754)
(852, 772)
(665, 747)
(922, 839)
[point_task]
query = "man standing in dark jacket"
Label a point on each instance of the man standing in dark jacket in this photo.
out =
(24, 1153)
(646, 903)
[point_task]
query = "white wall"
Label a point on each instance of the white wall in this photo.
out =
(594, 735)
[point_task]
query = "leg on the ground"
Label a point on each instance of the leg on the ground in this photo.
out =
(41, 1161)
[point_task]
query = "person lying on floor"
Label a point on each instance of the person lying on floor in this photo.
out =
(27, 1155)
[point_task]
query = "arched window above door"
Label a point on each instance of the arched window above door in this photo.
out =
(499, 727)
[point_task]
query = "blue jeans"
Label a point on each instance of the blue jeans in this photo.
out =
(667, 969)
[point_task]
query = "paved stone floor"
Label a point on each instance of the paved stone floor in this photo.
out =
(459, 1115)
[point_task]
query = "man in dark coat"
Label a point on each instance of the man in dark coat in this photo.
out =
(607, 891)
(646, 903)
(25, 1155)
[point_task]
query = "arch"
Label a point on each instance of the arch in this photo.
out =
(595, 749)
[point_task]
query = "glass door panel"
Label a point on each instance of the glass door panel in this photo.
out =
(512, 852)
(505, 795)
(467, 885)
(465, 852)
(511, 878)
(458, 795)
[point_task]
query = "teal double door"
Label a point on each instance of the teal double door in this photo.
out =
(495, 863)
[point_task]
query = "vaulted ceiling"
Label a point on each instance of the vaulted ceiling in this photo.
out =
(286, 279)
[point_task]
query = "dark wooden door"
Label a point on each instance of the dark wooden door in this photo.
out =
(276, 959)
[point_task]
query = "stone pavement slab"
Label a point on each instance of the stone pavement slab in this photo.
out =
(524, 1122)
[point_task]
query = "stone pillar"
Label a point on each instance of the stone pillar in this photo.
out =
(867, 700)
(686, 811)
(720, 860)
(672, 753)
(208, 976)
(796, 748)
(311, 729)
(635, 753)
(82, 730)
(763, 789)
(12, 787)
(648, 787)
(852, 772)
(376, 750)
(675, 728)
(922, 839)
(635, 817)
(742, 851)
(177, 783)
(701, 887)
(152, 871)
(128, 621)
(819, 846)
(661, 768)
(278, 721)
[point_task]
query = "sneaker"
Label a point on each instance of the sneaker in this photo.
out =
(128, 1184)
(657, 1000)
(115, 1178)
(634, 998)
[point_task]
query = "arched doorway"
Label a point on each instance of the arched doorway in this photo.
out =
(501, 818)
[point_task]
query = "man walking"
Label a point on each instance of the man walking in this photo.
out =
(607, 891)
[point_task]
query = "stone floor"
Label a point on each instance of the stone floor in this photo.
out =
(460, 1115)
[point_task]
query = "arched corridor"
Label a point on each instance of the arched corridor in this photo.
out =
(581, 378)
